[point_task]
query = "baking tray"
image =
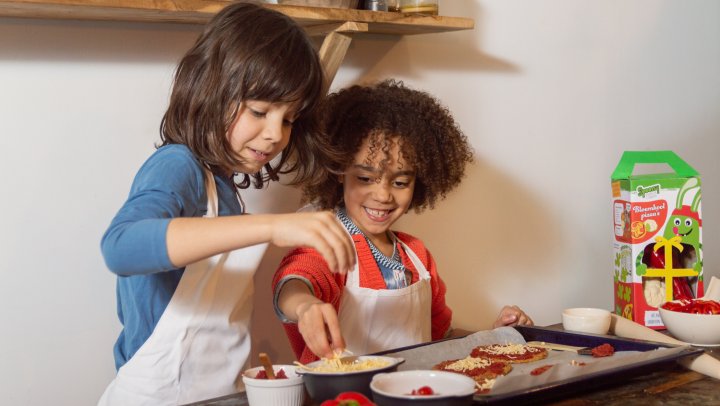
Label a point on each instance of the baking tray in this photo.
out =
(632, 358)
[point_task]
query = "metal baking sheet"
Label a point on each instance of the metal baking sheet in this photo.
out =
(632, 358)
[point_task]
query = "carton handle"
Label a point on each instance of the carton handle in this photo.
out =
(629, 159)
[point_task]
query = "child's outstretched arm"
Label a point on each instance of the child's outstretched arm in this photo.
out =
(317, 321)
(192, 239)
(512, 316)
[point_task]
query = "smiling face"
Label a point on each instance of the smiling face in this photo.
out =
(683, 226)
(376, 197)
(261, 130)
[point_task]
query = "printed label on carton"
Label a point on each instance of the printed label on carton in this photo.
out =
(657, 236)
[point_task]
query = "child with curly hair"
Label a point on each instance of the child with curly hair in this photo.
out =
(401, 150)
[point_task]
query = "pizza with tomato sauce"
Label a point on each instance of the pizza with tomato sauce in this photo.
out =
(512, 353)
(482, 370)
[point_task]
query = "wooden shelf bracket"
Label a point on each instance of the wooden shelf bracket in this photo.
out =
(335, 45)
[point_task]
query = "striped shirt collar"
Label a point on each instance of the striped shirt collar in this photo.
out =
(393, 270)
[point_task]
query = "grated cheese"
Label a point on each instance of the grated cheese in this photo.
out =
(486, 385)
(468, 363)
(508, 349)
(335, 365)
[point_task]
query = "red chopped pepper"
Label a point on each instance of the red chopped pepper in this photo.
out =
(681, 289)
(348, 399)
(694, 306)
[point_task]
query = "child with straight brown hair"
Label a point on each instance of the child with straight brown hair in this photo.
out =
(184, 252)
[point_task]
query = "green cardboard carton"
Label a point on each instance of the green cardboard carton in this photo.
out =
(657, 235)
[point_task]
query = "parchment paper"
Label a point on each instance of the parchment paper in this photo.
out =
(520, 378)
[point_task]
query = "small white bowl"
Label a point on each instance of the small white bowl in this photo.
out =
(280, 392)
(586, 320)
(695, 329)
(395, 388)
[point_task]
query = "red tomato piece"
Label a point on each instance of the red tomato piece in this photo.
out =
(278, 375)
(422, 391)
(540, 370)
(603, 350)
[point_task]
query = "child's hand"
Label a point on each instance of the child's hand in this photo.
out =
(319, 230)
(512, 316)
(319, 325)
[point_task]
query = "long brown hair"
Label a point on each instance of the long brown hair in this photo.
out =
(247, 52)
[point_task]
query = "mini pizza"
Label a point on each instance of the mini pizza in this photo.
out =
(482, 370)
(514, 353)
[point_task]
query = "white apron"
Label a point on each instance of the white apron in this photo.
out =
(377, 320)
(201, 343)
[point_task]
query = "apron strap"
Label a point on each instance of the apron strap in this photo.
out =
(211, 191)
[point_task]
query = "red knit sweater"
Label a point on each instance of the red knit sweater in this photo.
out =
(328, 287)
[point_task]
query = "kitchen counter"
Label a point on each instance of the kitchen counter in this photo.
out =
(671, 385)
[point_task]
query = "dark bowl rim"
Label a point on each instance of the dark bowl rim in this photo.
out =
(396, 361)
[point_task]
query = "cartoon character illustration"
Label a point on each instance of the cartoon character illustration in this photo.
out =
(685, 223)
(628, 311)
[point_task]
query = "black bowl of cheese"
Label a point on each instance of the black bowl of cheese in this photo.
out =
(327, 378)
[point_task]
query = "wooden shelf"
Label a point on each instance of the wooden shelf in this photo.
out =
(200, 11)
(337, 25)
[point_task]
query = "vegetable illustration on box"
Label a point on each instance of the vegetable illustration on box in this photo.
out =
(658, 253)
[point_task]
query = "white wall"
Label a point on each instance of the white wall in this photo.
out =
(550, 92)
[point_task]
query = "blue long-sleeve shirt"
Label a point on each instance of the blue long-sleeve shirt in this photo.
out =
(169, 184)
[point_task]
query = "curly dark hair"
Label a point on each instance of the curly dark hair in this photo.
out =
(430, 140)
